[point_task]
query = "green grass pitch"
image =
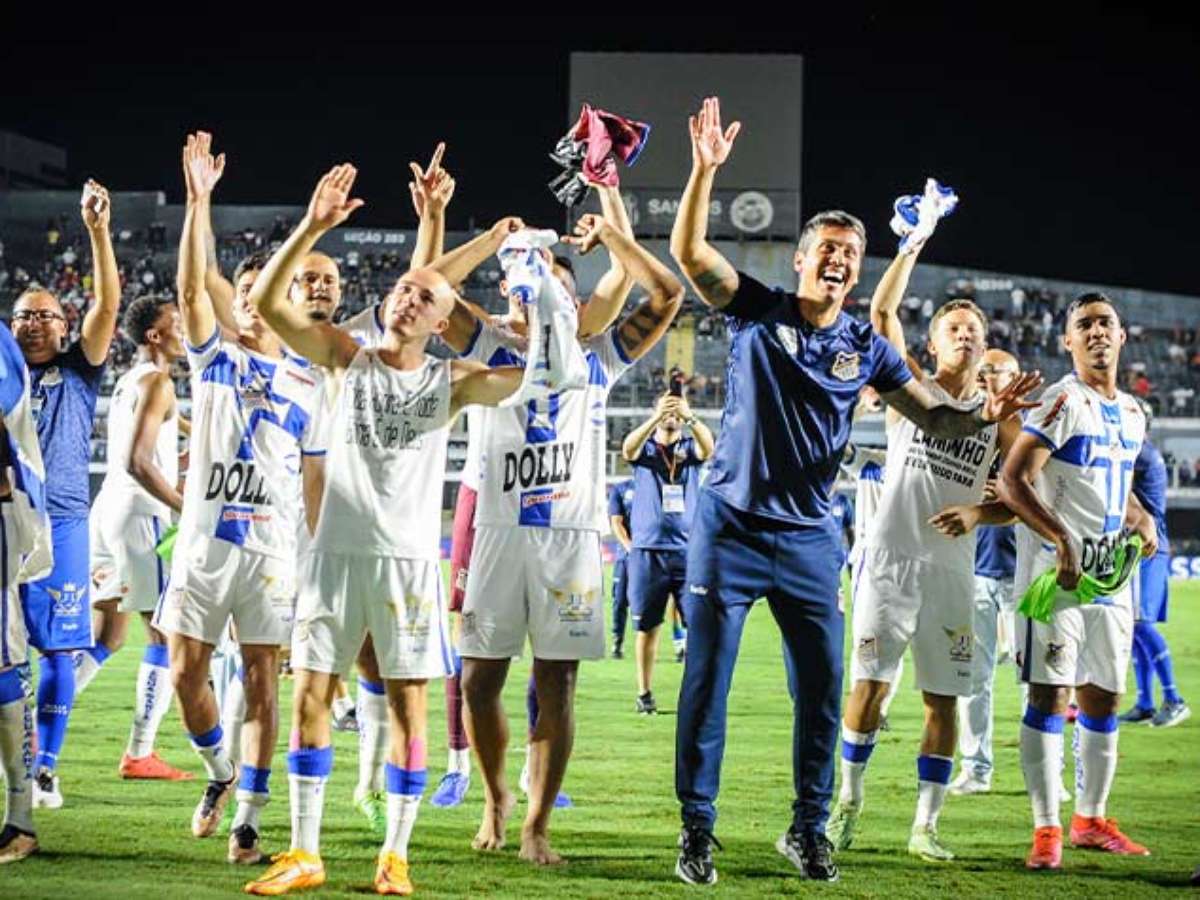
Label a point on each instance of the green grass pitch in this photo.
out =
(131, 839)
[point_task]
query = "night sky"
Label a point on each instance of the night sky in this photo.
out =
(1071, 138)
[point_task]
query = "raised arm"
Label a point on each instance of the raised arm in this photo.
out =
(945, 420)
(318, 342)
(612, 290)
(885, 302)
(100, 323)
(157, 403)
(460, 262)
(649, 321)
(195, 306)
(431, 189)
(631, 449)
(220, 289)
(713, 277)
(701, 433)
(486, 387)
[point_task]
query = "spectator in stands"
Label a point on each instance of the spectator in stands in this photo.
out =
(1194, 364)
(1181, 399)
(1000, 332)
(1142, 386)
(1018, 303)
(926, 311)
(1176, 353)
(912, 308)
(1184, 473)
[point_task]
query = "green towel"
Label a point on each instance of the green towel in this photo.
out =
(1044, 592)
(166, 547)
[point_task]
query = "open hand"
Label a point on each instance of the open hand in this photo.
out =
(94, 206)
(1011, 400)
(955, 521)
(710, 143)
(331, 205)
(201, 170)
(431, 187)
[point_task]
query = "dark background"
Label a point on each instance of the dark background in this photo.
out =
(1070, 135)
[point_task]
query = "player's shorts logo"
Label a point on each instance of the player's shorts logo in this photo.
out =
(961, 641)
(1055, 654)
(460, 580)
(575, 607)
(846, 367)
(68, 601)
(868, 649)
(468, 622)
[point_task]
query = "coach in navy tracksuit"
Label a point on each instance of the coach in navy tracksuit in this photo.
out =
(666, 476)
(762, 527)
(620, 502)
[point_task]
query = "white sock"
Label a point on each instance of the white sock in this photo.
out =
(372, 739)
(401, 817)
(210, 748)
(1098, 753)
(933, 776)
(233, 717)
(16, 760)
(342, 705)
(1041, 762)
(87, 667)
(523, 781)
(857, 747)
(153, 700)
(307, 796)
(459, 761)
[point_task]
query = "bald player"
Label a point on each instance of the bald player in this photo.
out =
(64, 381)
(373, 563)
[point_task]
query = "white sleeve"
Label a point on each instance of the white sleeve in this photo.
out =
(1054, 421)
(491, 346)
(200, 357)
(858, 456)
(607, 349)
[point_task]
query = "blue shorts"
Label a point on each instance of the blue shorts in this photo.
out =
(58, 613)
(653, 576)
(1150, 589)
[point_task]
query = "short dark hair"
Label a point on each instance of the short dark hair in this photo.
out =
(255, 262)
(142, 314)
(565, 262)
(831, 218)
(1090, 297)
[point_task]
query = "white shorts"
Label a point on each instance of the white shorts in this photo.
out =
(399, 602)
(123, 562)
(900, 601)
(14, 639)
(1088, 643)
(213, 581)
(540, 582)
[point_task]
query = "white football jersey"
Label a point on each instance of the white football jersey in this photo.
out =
(866, 465)
(1093, 443)
(386, 461)
(924, 475)
(364, 326)
(252, 418)
(543, 462)
(119, 486)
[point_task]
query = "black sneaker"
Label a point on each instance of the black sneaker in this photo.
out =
(646, 705)
(695, 865)
(618, 653)
(243, 847)
(811, 853)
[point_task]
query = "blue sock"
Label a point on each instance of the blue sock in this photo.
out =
(531, 704)
(1160, 659)
(407, 782)
(678, 632)
(99, 653)
(1143, 669)
(55, 697)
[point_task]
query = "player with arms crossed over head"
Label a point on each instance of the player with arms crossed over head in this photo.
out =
(1069, 480)
(378, 526)
(916, 586)
(762, 526)
(542, 503)
(129, 517)
(64, 385)
(253, 418)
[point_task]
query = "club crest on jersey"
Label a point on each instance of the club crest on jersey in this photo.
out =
(846, 366)
(868, 649)
(254, 392)
(961, 641)
(68, 601)
(575, 606)
(787, 337)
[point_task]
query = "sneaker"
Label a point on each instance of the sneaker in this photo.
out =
(1046, 852)
(695, 865)
(243, 847)
(451, 790)
(373, 805)
(681, 653)
(811, 854)
(16, 844)
(347, 722)
(842, 822)
(646, 705)
(967, 783)
(884, 724)
(211, 808)
(151, 767)
(46, 792)
(1171, 714)
(618, 652)
(1103, 834)
(561, 801)
(391, 875)
(1196, 877)
(290, 871)
(925, 844)
(1138, 715)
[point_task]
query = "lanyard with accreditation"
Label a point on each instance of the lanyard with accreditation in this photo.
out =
(672, 493)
